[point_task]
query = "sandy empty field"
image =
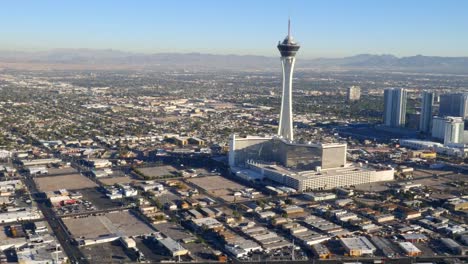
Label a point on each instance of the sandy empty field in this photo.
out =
(69, 182)
(216, 183)
(120, 223)
(61, 171)
(158, 171)
(114, 180)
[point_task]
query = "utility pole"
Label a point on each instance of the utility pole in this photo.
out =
(292, 252)
(178, 248)
(56, 253)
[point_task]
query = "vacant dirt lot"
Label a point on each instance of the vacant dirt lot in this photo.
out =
(158, 171)
(61, 171)
(220, 187)
(69, 182)
(114, 180)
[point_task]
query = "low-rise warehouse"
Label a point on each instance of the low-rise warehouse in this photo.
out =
(410, 249)
(358, 246)
(174, 248)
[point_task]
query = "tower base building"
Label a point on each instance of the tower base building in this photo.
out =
(303, 167)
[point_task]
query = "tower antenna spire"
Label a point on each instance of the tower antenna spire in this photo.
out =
(289, 27)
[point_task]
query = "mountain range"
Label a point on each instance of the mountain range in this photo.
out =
(114, 59)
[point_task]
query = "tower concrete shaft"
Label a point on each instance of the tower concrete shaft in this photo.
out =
(286, 116)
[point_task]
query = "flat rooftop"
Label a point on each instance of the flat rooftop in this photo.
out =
(291, 143)
(303, 175)
(359, 243)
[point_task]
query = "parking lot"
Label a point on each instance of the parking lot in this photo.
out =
(101, 201)
(441, 183)
(81, 206)
(122, 223)
(372, 187)
(112, 252)
(69, 182)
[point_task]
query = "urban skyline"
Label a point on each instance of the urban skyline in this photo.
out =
(119, 157)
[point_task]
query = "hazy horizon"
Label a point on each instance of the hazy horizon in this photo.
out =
(330, 29)
(207, 53)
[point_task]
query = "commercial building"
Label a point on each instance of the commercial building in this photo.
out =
(319, 196)
(457, 204)
(410, 249)
(128, 242)
(36, 170)
(454, 247)
(207, 223)
(395, 107)
(99, 163)
(174, 247)
(20, 215)
(449, 129)
(353, 93)
(288, 49)
(292, 210)
(31, 243)
(452, 149)
(239, 246)
(36, 162)
(323, 179)
(415, 237)
(325, 226)
(422, 154)
(384, 245)
(358, 246)
(455, 104)
(286, 153)
(427, 100)
(268, 239)
(321, 251)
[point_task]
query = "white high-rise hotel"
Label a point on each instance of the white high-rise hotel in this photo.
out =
(288, 49)
(449, 129)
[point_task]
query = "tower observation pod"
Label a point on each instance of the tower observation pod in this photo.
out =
(288, 49)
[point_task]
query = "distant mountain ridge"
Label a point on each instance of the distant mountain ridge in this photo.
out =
(122, 59)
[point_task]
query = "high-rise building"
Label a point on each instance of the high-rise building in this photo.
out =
(288, 49)
(449, 129)
(354, 93)
(427, 100)
(454, 128)
(394, 107)
(438, 127)
(455, 104)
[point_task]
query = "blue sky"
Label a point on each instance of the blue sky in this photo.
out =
(325, 28)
